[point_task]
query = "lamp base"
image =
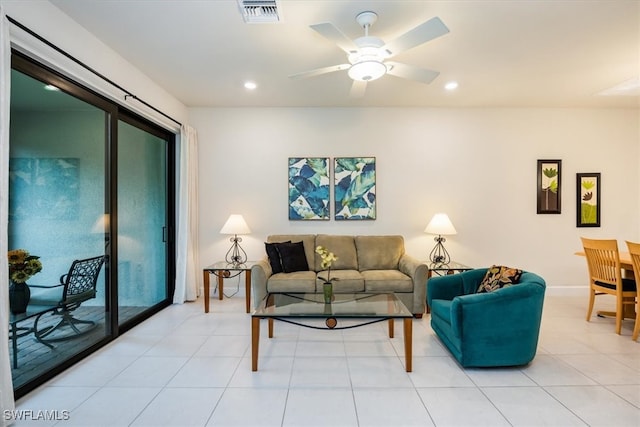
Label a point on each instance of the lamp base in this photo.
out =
(235, 255)
(439, 254)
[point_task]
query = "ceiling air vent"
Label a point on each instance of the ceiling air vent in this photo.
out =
(259, 11)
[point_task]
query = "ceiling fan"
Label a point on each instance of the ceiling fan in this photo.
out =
(368, 55)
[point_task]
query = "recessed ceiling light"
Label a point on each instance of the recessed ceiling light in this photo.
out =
(51, 87)
(250, 85)
(451, 86)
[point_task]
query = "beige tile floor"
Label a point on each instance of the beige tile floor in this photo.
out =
(187, 368)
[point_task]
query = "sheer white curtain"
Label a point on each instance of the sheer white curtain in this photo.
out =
(187, 275)
(6, 387)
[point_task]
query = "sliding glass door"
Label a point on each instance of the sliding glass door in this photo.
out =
(143, 231)
(57, 194)
(86, 180)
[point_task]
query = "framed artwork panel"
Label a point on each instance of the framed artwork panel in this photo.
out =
(549, 186)
(588, 199)
(355, 188)
(308, 188)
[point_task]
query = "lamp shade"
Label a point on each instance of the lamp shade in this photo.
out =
(101, 225)
(235, 225)
(441, 225)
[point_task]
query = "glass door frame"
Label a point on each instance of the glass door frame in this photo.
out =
(170, 216)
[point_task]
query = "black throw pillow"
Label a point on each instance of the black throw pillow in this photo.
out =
(274, 256)
(292, 257)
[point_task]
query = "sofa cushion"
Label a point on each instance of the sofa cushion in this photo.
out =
(292, 257)
(379, 252)
(308, 240)
(299, 281)
(386, 281)
(343, 247)
(497, 277)
(347, 281)
(274, 256)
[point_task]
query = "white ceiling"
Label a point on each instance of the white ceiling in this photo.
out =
(503, 53)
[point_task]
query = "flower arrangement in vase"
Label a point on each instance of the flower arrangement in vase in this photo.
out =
(22, 266)
(327, 259)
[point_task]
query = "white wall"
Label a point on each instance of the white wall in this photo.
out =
(477, 165)
(49, 22)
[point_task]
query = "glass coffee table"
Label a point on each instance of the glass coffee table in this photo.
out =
(298, 309)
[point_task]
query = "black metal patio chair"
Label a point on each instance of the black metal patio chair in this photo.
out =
(76, 287)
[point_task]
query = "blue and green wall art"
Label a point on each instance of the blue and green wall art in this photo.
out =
(355, 188)
(308, 188)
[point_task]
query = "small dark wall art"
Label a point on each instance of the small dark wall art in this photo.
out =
(588, 199)
(308, 188)
(355, 188)
(549, 186)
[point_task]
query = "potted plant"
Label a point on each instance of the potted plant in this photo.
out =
(22, 266)
(327, 260)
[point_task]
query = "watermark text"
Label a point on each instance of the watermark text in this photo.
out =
(39, 415)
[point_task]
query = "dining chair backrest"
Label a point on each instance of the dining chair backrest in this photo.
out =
(603, 262)
(634, 251)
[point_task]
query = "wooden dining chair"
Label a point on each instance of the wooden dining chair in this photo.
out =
(634, 251)
(605, 276)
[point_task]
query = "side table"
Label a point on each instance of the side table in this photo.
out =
(16, 331)
(442, 269)
(224, 270)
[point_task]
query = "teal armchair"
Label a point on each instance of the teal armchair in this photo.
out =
(499, 328)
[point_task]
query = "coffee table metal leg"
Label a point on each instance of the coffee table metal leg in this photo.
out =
(408, 338)
(255, 340)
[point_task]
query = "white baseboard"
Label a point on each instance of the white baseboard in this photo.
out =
(573, 291)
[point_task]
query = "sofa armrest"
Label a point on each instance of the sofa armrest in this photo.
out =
(418, 272)
(260, 273)
(514, 312)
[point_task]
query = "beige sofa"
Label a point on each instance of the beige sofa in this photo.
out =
(375, 264)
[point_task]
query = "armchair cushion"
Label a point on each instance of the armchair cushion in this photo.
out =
(46, 295)
(499, 276)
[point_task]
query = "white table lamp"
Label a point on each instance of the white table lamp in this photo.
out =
(235, 225)
(440, 225)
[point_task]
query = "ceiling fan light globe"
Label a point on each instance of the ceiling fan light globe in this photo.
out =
(367, 71)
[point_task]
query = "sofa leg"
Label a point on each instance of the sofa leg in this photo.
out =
(418, 316)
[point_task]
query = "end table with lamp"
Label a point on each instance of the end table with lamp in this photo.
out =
(224, 270)
(440, 262)
(234, 264)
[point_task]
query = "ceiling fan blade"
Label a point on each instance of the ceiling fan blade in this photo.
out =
(410, 72)
(357, 89)
(424, 32)
(319, 71)
(330, 32)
